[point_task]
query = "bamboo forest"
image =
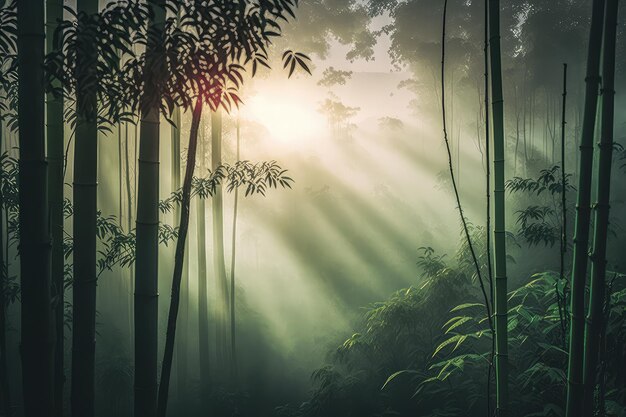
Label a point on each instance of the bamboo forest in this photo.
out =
(312, 208)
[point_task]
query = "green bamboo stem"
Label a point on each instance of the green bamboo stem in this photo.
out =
(233, 323)
(583, 214)
(37, 336)
(500, 277)
(219, 264)
(5, 387)
(84, 228)
(451, 170)
(56, 147)
(203, 309)
(488, 198)
(147, 227)
(561, 297)
(594, 322)
(181, 345)
(178, 262)
(129, 223)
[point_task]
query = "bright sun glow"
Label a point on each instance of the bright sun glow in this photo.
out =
(287, 117)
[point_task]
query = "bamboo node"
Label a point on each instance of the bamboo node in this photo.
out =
(145, 161)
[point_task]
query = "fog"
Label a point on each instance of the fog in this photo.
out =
(362, 139)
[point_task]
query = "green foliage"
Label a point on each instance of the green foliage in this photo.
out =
(332, 77)
(9, 168)
(202, 50)
(426, 350)
(255, 178)
(8, 64)
(87, 60)
(396, 337)
(292, 59)
(115, 247)
(540, 224)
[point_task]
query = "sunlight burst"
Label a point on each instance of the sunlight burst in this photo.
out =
(287, 117)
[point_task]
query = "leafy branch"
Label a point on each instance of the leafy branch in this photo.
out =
(256, 178)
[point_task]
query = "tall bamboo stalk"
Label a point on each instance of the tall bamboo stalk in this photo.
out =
(233, 324)
(147, 226)
(129, 225)
(219, 264)
(56, 148)
(181, 346)
(583, 213)
(178, 262)
(203, 309)
(120, 175)
(561, 296)
(84, 226)
(37, 344)
(595, 313)
(500, 281)
(488, 194)
(5, 387)
(453, 177)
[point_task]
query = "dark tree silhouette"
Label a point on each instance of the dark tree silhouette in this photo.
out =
(147, 265)
(574, 400)
(598, 284)
(37, 345)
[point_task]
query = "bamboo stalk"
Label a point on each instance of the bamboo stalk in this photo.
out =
(203, 304)
(583, 213)
(37, 337)
(233, 326)
(500, 281)
(593, 324)
(84, 228)
(56, 148)
(561, 298)
(178, 262)
(147, 227)
(218, 242)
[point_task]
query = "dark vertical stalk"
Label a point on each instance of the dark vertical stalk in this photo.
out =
(525, 124)
(203, 309)
(37, 344)
(120, 174)
(593, 323)
(178, 262)
(55, 141)
(5, 387)
(84, 220)
(233, 326)
(451, 169)
(147, 226)
(561, 296)
(488, 195)
(5, 271)
(583, 213)
(517, 131)
(500, 281)
(602, 355)
(218, 242)
(129, 220)
(181, 345)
